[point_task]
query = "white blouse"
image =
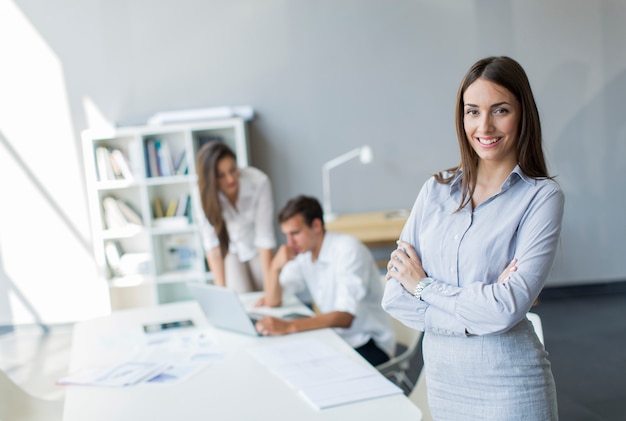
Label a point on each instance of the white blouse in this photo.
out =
(250, 223)
(344, 278)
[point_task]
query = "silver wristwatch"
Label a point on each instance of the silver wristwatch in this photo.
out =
(423, 283)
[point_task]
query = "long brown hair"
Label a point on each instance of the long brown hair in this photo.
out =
(509, 74)
(208, 157)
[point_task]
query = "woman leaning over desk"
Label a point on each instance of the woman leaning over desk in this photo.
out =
(476, 252)
(238, 228)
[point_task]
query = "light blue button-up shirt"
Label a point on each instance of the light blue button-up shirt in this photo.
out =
(466, 251)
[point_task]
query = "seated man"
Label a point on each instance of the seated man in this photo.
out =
(340, 275)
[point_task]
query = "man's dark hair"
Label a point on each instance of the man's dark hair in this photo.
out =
(308, 207)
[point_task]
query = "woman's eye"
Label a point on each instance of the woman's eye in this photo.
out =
(501, 111)
(471, 112)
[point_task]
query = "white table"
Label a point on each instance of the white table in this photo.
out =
(236, 388)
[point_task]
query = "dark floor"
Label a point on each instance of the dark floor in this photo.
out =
(585, 336)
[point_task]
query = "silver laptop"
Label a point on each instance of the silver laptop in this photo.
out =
(223, 308)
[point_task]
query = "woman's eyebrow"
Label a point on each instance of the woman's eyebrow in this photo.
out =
(497, 104)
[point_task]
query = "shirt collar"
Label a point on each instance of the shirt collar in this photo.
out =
(325, 250)
(514, 176)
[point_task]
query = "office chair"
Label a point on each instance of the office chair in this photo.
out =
(418, 394)
(536, 321)
(397, 367)
(18, 405)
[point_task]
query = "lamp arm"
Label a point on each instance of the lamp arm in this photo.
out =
(342, 158)
(326, 176)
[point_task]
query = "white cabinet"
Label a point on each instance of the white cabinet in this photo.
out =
(142, 190)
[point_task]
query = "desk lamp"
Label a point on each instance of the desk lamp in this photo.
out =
(364, 153)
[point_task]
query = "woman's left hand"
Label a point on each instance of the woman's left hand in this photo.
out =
(405, 266)
(506, 273)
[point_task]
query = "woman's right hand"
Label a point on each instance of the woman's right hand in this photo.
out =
(405, 266)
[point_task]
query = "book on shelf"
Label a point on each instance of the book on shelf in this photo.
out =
(181, 167)
(119, 214)
(153, 161)
(164, 157)
(176, 207)
(119, 160)
(103, 164)
(181, 209)
(112, 164)
(171, 208)
(129, 213)
(157, 208)
(113, 253)
(160, 159)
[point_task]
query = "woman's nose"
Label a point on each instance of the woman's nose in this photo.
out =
(485, 123)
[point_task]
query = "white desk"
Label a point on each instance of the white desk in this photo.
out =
(236, 388)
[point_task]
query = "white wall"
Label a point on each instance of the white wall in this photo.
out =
(324, 77)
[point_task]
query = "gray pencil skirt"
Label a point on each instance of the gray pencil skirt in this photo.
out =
(497, 377)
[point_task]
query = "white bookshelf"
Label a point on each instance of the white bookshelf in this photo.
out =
(159, 255)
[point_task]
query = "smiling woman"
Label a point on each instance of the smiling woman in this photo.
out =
(476, 252)
(491, 121)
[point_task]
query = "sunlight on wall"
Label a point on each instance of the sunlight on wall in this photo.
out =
(95, 119)
(45, 246)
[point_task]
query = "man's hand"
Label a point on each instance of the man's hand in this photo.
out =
(282, 256)
(261, 302)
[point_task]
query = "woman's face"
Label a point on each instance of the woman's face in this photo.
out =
(228, 177)
(491, 116)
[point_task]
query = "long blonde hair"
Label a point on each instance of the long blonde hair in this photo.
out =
(208, 157)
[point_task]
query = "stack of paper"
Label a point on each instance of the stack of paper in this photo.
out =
(167, 357)
(124, 374)
(322, 375)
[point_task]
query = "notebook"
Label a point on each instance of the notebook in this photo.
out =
(223, 308)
